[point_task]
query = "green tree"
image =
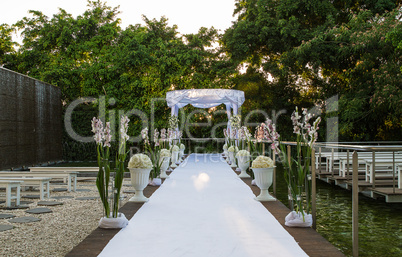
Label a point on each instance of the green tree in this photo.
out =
(7, 45)
(271, 37)
(360, 59)
(60, 50)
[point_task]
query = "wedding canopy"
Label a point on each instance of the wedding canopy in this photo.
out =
(205, 98)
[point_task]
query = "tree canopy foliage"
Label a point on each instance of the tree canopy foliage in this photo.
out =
(91, 55)
(298, 52)
(318, 49)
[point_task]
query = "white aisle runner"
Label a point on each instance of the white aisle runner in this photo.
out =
(204, 210)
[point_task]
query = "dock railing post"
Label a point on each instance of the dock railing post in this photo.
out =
(355, 205)
(274, 177)
(373, 170)
(290, 163)
(313, 189)
(332, 162)
(393, 171)
(347, 166)
(319, 159)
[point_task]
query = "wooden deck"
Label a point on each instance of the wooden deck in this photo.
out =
(383, 185)
(392, 195)
(309, 240)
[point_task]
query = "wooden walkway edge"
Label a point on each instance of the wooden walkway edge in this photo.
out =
(309, 240)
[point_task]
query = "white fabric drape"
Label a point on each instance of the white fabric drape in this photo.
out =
(205, 98)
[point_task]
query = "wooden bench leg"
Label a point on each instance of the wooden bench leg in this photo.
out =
(8, 196)
(47, 189)
(69, 183)
(18, 188)
(75, 183)
(41, 191)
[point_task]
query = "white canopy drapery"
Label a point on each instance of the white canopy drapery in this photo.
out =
(205, 98)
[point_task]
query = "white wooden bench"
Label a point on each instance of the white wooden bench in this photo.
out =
(361, 161)
(331, 161)
(379, 163)
(71, 177)
(68, 174)
(41, 182)
(10, 185)
(73, 171)
(65, 169)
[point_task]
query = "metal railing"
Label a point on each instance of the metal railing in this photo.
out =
(355, 169)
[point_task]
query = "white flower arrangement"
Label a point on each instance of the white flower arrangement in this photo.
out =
(242, 153)
(175, 148)
(173, 122)
(225, 147)
(165, 153)
(182, 147)
(235, 121)
(262, 162)
(140, 161)
(231, 149)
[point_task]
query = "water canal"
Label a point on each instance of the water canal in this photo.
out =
(380, 223)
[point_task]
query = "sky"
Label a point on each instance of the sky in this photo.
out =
(188, 15)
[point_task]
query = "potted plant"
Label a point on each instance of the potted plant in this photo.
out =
(243, 159)
(140, 165)
(181, 152)
(175, 155)
(103, 137)
(225, 150)
(297, 175)
(164, 162)
(153, 151)
(263, 169)
(231, 151)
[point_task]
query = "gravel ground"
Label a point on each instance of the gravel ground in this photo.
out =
(58, 232)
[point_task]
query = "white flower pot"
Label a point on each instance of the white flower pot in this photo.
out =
(181, 154)
(232, 159)
(244, 163)
(119, 222)
(295, 219)
(175, 157)
(225, 153)
(155, 182)
(164, 166)
(263, 179)
(139, 180)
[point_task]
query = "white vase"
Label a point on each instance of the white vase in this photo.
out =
(181, 154)
(232, 160)
(139, 180)
(175, 156)
(263, 179)
(164, 166)
(244, 163)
